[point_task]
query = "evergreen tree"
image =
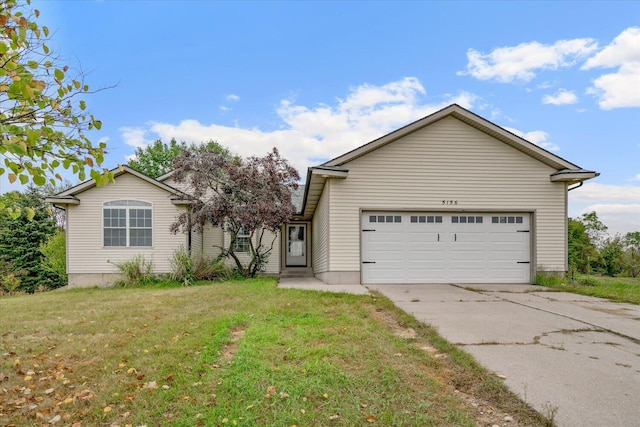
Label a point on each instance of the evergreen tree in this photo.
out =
(21, 238)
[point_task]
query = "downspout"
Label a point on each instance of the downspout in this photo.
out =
(577, 186)
(189, 233)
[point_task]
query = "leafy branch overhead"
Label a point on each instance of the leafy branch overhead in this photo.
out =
(43, 113)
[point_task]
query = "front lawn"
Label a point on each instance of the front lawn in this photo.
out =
(618, 289)
(244, 353)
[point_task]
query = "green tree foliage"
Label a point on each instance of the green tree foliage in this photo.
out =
(21, 239)
(582, 252)
(632, 253)
(156, 159)
(43, 113)
(612, 254)
(54, 254)
(593, 251)
(596, 230)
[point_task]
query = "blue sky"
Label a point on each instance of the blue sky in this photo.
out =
(317, 79)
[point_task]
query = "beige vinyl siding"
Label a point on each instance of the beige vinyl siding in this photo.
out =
(86, 253)
(320, 233)
(273, 265)
(211, 239)
(447, 161)
(196, 242)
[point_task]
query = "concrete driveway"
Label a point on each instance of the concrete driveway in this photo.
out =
(579, 355)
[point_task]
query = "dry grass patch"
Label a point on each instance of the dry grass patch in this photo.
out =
(241, 353)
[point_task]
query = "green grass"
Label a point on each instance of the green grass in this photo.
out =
(618, 289)
(234, 353)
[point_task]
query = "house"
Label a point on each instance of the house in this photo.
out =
(450, 198)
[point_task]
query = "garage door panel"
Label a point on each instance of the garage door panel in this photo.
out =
(383, 256)
(425, 256)
(506, 237)
(463, 237)
(462, 248)
(509, 255)
(466, 256)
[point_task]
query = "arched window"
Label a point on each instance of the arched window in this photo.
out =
(127, 223)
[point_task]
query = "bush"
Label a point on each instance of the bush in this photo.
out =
(55, 255)
(188, 267)
(137, 271)
(550, 278)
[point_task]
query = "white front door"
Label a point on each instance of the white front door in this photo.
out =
(296, 245)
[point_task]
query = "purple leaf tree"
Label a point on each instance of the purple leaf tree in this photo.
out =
(247, 197)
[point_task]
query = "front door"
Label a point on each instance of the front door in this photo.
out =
(297, 245)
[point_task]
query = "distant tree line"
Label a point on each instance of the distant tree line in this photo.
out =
(593, 251)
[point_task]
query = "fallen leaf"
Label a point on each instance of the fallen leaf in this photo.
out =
(334, 417)
(49, 391)
(107, 409)
(325, 395)
(150, 385)
(271, 391)
(55, 419)
(27, 378)
(371, 418)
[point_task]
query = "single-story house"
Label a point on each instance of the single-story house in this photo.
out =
(450, 198)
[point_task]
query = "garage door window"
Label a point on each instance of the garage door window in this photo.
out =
(426, 218)
(456, 219)
(506, 220)
(385, 218)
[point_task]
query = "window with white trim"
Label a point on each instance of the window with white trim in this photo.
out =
(242, 242)
(127, 223)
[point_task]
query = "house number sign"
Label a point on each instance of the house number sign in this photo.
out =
(449, 202)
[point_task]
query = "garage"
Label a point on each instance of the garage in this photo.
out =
(445, 247)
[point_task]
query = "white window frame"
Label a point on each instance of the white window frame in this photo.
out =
(129, 206)
(241, 243)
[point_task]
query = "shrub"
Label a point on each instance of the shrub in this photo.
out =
(137, 271)
(55, 255)
(550, 278)
(188, 267)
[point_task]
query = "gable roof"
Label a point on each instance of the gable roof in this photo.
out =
(69, 196)
(471, 119)
(317, 176)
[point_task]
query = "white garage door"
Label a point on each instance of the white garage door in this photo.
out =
(445, 247)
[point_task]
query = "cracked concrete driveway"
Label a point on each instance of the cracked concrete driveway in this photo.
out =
(577, 354)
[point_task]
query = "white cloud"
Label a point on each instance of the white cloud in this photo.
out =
(310, 135)
(617, 206)
(617, 90)
(561, 97)
(635, 178)
(619, 218)
(134, 137)
(506, 64)
(232, 97)
(624, 48)
(622, 88)
(596, 192)
(225, 109)
(537, 137)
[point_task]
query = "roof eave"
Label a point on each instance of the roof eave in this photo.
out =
(117, 171)
(316, 178)
(62, 200)
(469, 118)
(573, 176)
